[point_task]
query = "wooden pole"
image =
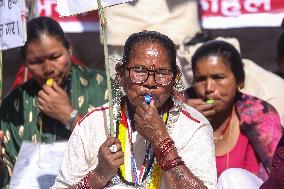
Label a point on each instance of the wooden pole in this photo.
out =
(1, 76)
(104, 37)
(32, 7)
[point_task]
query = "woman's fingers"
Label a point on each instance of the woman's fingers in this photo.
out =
(110, 157)
(209, 113)
(57, 88)
(110, 141)
(112, 148)
(119, 162)
(207, 109)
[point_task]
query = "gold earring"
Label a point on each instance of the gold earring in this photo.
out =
(178, 86)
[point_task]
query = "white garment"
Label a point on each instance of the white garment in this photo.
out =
(193, 140)
(237, 178)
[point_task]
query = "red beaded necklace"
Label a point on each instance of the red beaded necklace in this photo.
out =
(224, 130)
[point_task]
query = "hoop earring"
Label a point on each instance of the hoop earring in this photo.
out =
(178, 85)
(178, 91)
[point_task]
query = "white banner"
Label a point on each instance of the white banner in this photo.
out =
(37, 165)
(73, 7)
(241, 13)
(86, 22)
(12, 24)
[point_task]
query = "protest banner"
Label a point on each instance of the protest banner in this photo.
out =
(12, 28)
(34, 168)
(12, 24)
(69, 8)
(1, 76)
(85, 22)
(241, 13)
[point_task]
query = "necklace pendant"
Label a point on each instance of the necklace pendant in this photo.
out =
(216, 140)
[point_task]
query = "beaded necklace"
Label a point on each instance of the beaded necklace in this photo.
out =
(150, 172)
(216, 140)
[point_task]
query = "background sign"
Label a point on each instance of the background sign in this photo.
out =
(72, 7)
(241, 13)
(37, 165)
(84, 22)
(215, 14)
(12, 24)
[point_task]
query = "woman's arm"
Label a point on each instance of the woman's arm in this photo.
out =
(180, 176)
(93, 180)
(197, 164)
(199, 168)
(55, 102)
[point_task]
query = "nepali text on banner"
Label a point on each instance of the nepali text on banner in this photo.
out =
(241, 13)
(85, 22)
(12, 24)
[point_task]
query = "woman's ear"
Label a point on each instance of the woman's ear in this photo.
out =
(178, 74)
(240, 86)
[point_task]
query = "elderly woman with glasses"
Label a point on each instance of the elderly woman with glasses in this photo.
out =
(159, 142)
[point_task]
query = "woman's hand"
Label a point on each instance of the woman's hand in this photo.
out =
(109, 162)
(55, 102)
(208, 110)
(149, 123)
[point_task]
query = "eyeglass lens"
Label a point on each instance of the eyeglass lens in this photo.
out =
(140, 75)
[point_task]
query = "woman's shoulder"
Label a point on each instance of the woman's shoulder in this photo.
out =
(29, 88)
(193, 128)
(251, 105)
(96, 113)
(261, 123)
(89, 73)
(189, 123)
(93, 124)
(193, 116)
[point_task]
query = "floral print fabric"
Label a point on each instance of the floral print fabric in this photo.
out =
(260, 122)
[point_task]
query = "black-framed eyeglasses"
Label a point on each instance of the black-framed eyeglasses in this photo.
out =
(141, 74)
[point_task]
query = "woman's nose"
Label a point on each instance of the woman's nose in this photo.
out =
(48, 68)
(209, 88)
(150, 82)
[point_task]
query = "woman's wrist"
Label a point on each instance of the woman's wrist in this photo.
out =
(97, 179)
(71, 119)
(166, 154)
(158, 140)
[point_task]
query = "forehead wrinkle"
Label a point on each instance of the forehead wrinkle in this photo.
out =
(152, 53)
